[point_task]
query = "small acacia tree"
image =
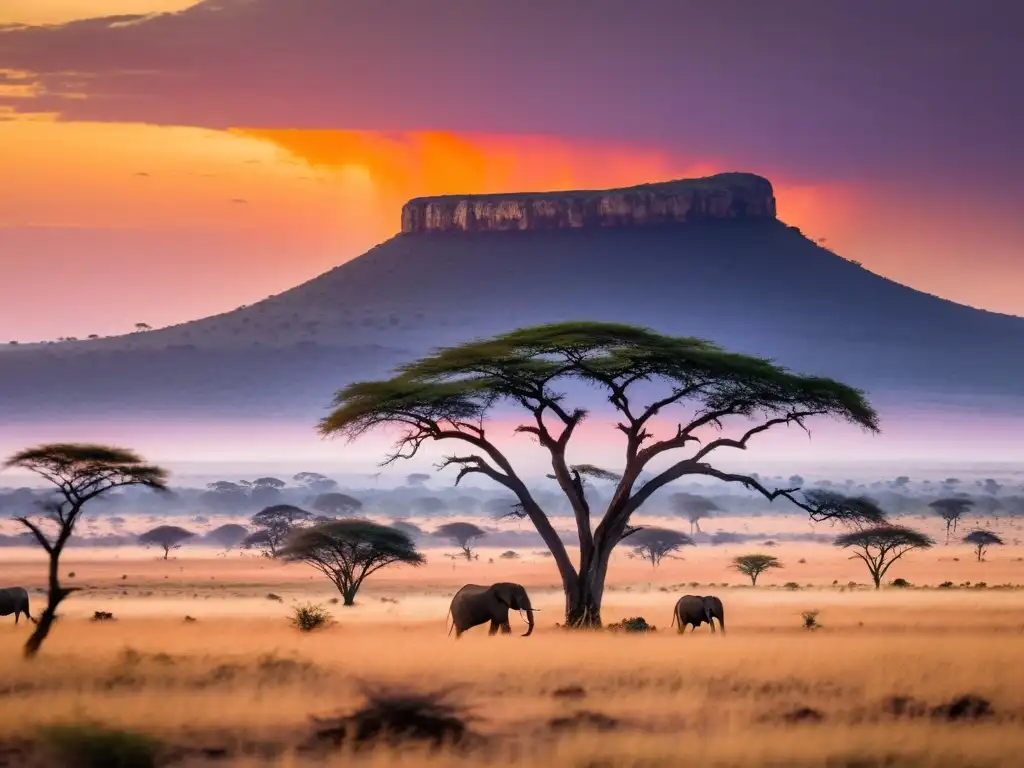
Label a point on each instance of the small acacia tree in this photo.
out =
(450, 395)
(981, 540)
(754, 565)
(463, 534)
(951, 510)
(693, 507)
(348, 551)
(79, 473)
(167, 537)
(227, 536)
(273, 525)
(653, 544)
(881, 546)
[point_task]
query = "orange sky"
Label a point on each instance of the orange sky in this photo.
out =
(163, 224)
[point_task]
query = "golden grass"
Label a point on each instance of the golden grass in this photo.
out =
(241, 674)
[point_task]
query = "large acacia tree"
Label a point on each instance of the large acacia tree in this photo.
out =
(450, 395)
(78, 473)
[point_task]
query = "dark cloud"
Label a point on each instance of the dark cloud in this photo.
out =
(840, 87)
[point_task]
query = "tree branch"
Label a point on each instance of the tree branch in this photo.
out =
(40, 536)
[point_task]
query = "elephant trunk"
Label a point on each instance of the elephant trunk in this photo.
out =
(529, 617)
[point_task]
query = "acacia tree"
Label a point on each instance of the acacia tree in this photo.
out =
(881, 546)
(79, 473)
(980, 540)
(693, 507)
(450, 395)
(167, 537)
(228, 536)
(951, 510)
(273, 525)
(463, 534)
(653, 544)
(754, 565)
(348, 551)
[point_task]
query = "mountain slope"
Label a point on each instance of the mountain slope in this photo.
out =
(754, 285)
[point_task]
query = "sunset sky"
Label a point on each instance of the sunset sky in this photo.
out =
(193, 157)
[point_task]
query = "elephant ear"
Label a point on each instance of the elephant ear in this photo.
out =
(504, 594)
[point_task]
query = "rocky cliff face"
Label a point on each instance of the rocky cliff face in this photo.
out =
(725, 196)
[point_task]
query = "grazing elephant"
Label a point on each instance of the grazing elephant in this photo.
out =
(696, 610)
(15, 600)
(475, 604)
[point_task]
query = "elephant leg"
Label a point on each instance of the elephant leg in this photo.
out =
(495, 626)
(506, 629)
(17, 615)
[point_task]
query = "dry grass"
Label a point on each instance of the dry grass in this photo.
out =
(242, 680)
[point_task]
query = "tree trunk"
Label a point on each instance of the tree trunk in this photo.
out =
(583, 603)
(56, 595)
(349, 597)
(878, 579)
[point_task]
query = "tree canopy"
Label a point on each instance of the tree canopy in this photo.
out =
(449, 395)
(653, 544)
(337, 504)
(881, 546)
(349, 551)
(693, 507)
(228, 536)
(754, 565)
(463, 534)
(167, 537)
(951, 510)
(273, 525)
(981, 540)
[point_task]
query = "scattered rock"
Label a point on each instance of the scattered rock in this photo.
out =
(189, 619)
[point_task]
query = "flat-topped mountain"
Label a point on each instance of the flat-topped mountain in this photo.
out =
(723, 196)
(740, 277)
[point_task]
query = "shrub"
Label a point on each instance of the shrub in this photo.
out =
(102, 616)
(810, 619)
(900, 583)
(509, 554)
(946, 585)
(791, 585)
(395, 717)
(636, 624)
(309, 617)
(91, 745)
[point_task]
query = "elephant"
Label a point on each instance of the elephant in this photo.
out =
(696, 610)
(475, 604)
(15, 600)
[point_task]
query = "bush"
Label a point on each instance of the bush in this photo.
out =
(636, 624)
(900, 583)
(810, 620)
(91, 745)
(791, 585)
(509, 554)
(396, 716)
(309, 617)
(946, 585)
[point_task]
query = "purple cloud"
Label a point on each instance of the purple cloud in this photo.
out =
(843, 88)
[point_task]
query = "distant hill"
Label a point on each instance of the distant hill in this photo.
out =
(733, 274)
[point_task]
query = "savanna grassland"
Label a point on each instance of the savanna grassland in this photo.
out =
(237, 684)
